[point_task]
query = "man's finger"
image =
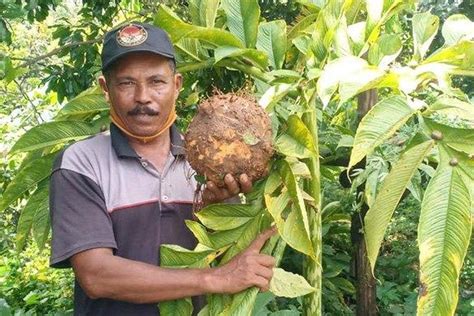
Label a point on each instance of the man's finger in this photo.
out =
(258, 243)
(231, 184)
(220, 194)
(245, 183)
(261, 283)
(266, 260)
(265, 273)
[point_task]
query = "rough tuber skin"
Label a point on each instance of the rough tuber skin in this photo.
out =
(229, 134)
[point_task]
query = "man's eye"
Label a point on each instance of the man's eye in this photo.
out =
(125, 83)
(158, 81)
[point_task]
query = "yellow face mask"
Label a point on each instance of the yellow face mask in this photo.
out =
(144, 139)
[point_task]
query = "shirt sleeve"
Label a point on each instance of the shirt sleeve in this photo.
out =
(79, 217)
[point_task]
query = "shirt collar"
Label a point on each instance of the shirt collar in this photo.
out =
(123, 149)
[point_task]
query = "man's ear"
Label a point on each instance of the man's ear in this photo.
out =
(178, 84)
(105, 89)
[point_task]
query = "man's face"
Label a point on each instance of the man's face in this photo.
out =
(142, 88)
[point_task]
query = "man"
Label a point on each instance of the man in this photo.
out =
(115, 198)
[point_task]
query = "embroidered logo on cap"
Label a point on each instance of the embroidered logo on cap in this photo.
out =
(131, 35)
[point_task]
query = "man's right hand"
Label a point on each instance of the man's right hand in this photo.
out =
(247, 269)
(103, 275)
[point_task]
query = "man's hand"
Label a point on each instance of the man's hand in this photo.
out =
(213, 194)
(249, 268)
(103, 275)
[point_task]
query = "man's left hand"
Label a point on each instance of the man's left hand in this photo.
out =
(213, 194)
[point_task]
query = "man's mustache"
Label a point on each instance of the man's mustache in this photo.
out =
(143, 110)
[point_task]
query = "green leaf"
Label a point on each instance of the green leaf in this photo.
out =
(41, 221)
(227, 216)
(390, 193)
(286, 74)
(248, 233)
(386, 50)
(176, 256)
(356, 33)
(298, 141)
(291, 221)
(294, 191)
(203, 12)
(287, 284)
(452, 108)
(346, 141)
(258, 58)
(344, 285)
(304, 44)
(242, 19)
(374, 27)
(372, 182)
(263, 298)
(5, 309)
(286, 312)
(318, 36)
(53, 133)
(276, 206)
(342, 44)
(3, 65)
(452, 156)
(456, 28)
(27, 179)
(215, 240)
(460, 55)
(351, 75)
(272, 183)
(425, 27)
(177, 29)
(272, 40)
(86, 104)
(37, 205)
(415, 186)
(300, 169)
(380, 123)
(192, 48)
(200, 232)
(205, 310)
(460, 139)
(7, 71)
(274, 94)
(374, 14)
(301, 25)
(182, 307)
(216, 304)
(5, 34)
(289, 146)
(242, 303)
(444, 232)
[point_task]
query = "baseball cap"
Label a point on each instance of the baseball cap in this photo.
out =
(135, 37)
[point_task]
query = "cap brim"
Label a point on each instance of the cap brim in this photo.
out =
(132, 50)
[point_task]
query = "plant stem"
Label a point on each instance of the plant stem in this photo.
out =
(278, 251)
(250, 70)
(312, 269)
(196, 65)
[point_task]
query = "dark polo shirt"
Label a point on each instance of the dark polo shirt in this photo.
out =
(103, 195)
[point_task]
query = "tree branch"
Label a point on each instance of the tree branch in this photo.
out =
(55, 51)
(25, 95)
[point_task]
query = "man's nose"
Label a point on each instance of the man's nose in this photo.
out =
(142, 94)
